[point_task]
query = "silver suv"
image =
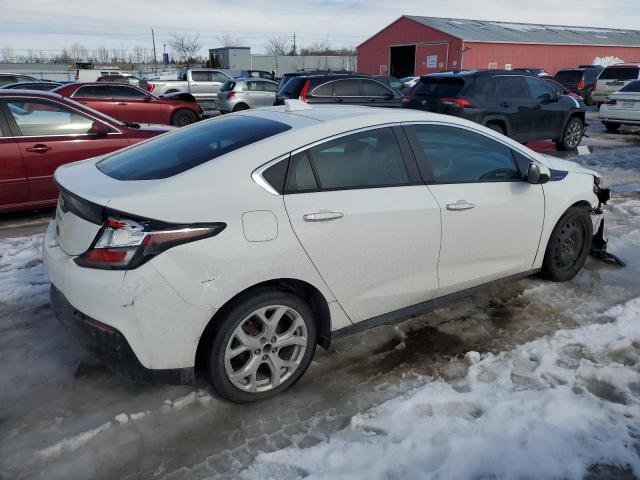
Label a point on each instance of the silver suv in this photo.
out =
(244, 93)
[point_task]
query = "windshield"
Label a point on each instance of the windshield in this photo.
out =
(184, 149)
(568, 76)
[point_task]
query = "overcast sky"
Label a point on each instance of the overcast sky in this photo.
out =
(54, 24)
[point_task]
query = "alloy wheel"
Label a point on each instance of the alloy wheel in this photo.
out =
(266, 348)
(574, 134)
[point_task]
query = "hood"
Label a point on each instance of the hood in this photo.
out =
(567, 166)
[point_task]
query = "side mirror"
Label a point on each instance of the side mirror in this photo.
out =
(99, 129)
(537, 174)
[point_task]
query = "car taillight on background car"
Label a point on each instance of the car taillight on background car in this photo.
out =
(124, 243)
(460, 102)
(405, 99)
(581, 85)
(150, 87)
(303, 92)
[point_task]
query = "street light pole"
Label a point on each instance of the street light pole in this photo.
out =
(155, 58)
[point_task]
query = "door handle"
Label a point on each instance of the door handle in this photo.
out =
(505, 104)
(38, 148)
(322, 216)
(538, 107)
(122, 103)
(338, 99)
(460, 205)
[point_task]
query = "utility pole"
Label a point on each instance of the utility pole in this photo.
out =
(295, 52)
(155, 59)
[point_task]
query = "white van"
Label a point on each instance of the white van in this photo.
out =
(613, 78)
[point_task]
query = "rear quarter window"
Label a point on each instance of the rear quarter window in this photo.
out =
(184, 149)
(620, 73)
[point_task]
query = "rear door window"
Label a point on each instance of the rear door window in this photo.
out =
(269, 86)
(346, 88)
(93, 91)
(218, 77)
(36, 117)
(199, 76)
(301, 176)
(619, 73)
(512, 86)
(187, 148)
(367, 159)
(129, 93)
(371, 88)
(438, 87)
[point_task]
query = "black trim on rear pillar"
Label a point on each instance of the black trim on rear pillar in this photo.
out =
(110, 347)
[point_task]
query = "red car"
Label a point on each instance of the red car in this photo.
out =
(39, 131)
(132, 104)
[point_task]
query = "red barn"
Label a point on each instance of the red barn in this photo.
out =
(419, 45)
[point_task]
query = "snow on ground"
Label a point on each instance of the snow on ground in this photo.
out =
(22, 278)
(548, 409)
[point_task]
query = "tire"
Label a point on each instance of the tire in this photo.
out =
(183, 117)
(568, 246)
(496, 128)
(241, 106)
(256, 356)
(571, 135)
(612, 126)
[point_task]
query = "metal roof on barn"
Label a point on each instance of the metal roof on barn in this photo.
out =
(506, 32)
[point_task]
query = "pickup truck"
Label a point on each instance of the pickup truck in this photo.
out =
(203, 84)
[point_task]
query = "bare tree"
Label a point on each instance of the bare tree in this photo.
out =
(276, 46)
(228, 40)
(6, 53)
(78, 53)
(184, 47)
(138, 54)
(102, 54)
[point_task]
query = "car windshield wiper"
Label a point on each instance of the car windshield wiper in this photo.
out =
(132, 124)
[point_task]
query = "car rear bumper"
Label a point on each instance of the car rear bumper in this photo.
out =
(110, 347)
(608, 114)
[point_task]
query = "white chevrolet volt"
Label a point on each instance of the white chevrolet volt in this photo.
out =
(235, 245)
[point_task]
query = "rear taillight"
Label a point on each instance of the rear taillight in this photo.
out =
(405, 99)
(460, 102)
(303, 92)
(609, 101)
(231, 95)
(124, 243)
(150, 87)
(581, 85)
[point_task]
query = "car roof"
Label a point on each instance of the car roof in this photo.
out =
(30, 93)
(252, 79)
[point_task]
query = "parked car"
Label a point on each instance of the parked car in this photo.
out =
(257, 74)
(519, 105)
(268, 232)
(43, 86)
(579, 80)
(244, 93)
(203, 84)
(561, 89)
(539, 72)
(392, 82)
(132, 104)
(120, 78)
(409, 82)
(40, 132)
(339, 89)
(7, 78)
(621, 107)
(306, 72)
(613, 78)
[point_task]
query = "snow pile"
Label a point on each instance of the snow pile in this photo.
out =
(547, 409)
(606, 61)
(22, 276)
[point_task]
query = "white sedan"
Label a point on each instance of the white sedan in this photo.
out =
(239, 243)
(621, 107)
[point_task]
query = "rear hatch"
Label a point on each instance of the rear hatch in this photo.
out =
(615, 77)
(439, 94)
(226, 87)
(290, 90)
(570, 79)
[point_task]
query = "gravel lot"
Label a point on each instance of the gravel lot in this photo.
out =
(63, 416)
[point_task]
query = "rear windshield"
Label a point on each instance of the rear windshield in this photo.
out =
(186, 148)
(285, 78)
(619, 73)
(438, 87)
(293, 86)
(568, 76)
(228, 86)
(631, 87)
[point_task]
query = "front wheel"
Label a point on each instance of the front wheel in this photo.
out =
(612, 126)
(568, 245)
(571, 135)
(183, 117)
(262, 346)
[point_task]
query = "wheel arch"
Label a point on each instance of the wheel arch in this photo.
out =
(498, 120)
(311, 294)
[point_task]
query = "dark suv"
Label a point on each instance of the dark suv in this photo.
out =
(339, 90)
(519, 105)
(579, 80)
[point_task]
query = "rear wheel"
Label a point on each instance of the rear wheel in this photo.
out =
(568, 245)
(241, 106)
(571, 135)
(262, 346)
(183, 117)
(612, 126)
